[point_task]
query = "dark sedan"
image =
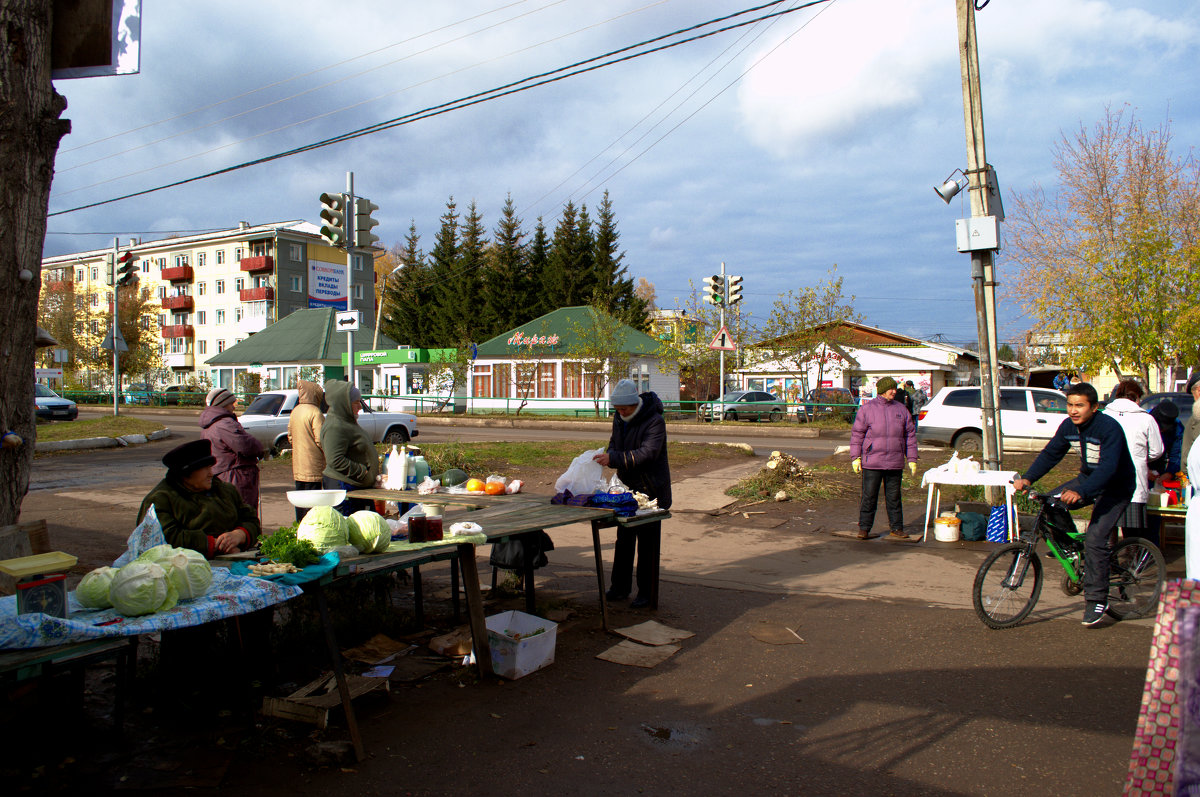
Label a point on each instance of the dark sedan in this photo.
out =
(1181, 400)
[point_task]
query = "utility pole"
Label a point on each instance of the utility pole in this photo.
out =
(982, 261)
(115, 330)
(353, 376)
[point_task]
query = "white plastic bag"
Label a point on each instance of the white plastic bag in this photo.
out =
(584, 476)
(616, 486)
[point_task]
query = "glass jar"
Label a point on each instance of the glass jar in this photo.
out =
(418, 527)
(433, 528)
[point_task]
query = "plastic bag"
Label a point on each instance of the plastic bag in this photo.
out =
(584, 476)
(616, 486)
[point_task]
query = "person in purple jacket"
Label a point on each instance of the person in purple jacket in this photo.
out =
(236, 451)
(882, 439)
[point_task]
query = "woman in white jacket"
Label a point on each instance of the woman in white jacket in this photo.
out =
(1145, 443)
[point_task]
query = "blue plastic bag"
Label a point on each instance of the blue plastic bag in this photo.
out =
(997, 526)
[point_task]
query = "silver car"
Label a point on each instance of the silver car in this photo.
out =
(745, 405)
(266, 418)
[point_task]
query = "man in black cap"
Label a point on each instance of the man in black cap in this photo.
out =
(197, 511)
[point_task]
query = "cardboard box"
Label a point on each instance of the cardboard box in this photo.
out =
(516, 649)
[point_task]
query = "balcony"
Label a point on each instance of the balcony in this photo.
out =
(180, 360)
(178, 303)
(264, 293)
(258, 263)
(178, 331)
(178, 274)
(255, 322)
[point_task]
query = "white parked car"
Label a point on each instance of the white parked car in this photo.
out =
(266, 418)
(1029, 417)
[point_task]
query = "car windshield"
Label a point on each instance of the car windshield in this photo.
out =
(734, 396)
(265, 404)
(45, 392)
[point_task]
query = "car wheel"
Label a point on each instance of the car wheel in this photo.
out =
(968, 442)
(279, 445)
(730, 416)
(776, 415)
(396, 436)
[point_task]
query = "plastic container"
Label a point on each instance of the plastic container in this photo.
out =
(946, 529)
(420, 469)
(521, 643)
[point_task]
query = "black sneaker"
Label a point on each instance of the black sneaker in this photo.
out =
(613, 595)
(640, 603)
(1093, 612)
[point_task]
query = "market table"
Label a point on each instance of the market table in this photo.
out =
(985, 478)
(1174, 515)
(625, 522)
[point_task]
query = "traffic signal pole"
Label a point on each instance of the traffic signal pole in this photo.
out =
(116, 326)
(349, 221)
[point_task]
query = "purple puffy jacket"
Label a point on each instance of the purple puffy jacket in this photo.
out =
(883, 435)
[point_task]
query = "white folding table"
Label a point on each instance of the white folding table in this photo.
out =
(986, 478)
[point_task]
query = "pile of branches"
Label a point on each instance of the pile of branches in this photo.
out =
(783, 477)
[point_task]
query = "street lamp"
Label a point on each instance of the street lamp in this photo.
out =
(379, 310)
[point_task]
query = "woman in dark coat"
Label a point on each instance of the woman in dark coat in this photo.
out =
(236, 452)
(638, 450)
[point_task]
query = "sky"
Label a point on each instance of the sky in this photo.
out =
(782, 149)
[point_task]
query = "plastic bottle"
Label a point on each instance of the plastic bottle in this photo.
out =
(411, 480)
(398, 473)
(420, 469)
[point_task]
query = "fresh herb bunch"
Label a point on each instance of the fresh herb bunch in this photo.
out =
(282, 546)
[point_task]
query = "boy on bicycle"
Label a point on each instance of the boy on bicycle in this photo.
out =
(1106, 478)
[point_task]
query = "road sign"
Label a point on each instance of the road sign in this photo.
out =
(120, 340)
(723, 342)
(47, 373)
(347, 320)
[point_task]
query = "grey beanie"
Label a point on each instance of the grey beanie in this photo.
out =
(1192, 380)
(625, 394)
(355, 394)
(220, 397)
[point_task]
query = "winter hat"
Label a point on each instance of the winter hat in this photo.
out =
(183, 459)
(220, 397)
(355, 394)
(884, 385)
(625, 394)
(1191, 383)
(1166, 410)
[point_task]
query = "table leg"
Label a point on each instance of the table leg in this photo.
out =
(454, 601)
(928, 506)
(339, 673)
(527, 572)
(418, 597)
(470, 577)
(600, 574)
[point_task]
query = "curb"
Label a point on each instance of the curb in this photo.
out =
(87, 443)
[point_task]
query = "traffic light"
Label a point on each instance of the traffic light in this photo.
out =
(363, 208)
(110, 270)
(714, 290)
(734, 293)
(333, 213)
(126, 273)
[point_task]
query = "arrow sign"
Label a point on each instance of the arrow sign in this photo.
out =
(119, 340)
(347, 320)
(723, 342)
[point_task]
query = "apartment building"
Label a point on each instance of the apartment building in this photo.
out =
(216, 289)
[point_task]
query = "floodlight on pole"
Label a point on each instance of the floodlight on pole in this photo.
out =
(951, 186)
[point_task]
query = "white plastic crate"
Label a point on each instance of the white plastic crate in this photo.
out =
(514, 652)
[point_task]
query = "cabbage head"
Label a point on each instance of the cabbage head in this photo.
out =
(156, 554)
(190, 573)
(324, 527)
(92, 592)
(142, 588)
(368, 531)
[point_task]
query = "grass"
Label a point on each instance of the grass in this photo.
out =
(497, 457)
(95, 427)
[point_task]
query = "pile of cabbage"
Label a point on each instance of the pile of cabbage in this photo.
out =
(154, 582)
(327, 529)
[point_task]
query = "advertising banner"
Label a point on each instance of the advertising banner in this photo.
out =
(326, 284)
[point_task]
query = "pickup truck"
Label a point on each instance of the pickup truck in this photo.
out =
(266, 418)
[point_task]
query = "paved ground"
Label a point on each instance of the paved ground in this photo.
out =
(897, 688)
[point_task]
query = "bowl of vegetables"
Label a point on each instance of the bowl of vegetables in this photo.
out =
(307, 499)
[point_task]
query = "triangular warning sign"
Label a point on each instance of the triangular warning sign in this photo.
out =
(723, 342)
(115, 332)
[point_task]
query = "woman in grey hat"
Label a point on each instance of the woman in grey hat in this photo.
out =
(236, 451)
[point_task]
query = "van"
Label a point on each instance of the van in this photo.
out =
(1029, 417)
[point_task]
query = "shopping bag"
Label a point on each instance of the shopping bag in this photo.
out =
(997, 525)
(584, 476)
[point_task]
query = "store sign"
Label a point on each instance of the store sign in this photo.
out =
(521, 339)
(326, 285)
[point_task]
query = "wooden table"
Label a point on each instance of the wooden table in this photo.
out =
(625, 522)
(29, 663)
(1173, 515)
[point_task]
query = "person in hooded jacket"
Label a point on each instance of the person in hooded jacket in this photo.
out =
(637, 449)
(1191, 427)
(882, 438)
(1145, 444)
(351, 461)
(236, 451)
(304, 432)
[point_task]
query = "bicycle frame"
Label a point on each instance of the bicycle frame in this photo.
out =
(1071, 564)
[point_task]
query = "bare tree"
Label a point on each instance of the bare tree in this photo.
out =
(30, 129)
(600, 350)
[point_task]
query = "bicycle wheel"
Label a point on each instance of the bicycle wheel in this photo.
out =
(1137, 572)
(1007, 585)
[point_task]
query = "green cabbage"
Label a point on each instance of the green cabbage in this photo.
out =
(156, 554)
(368, 531)
(324, 527)
(92, 592)
(190, 573)
(142, 588)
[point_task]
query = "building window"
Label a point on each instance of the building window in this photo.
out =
(220, 346)
(180, 319)
(296, 251)
(181, 260)
(220, 316)
(162, 263)
(201, 288)
(297, 284)
(492, 381)
(201, 258)
(358, 292)
(95, 274)
(145, 322)
(201, 317)
(237, 313)
(537, 380)
(95, 327)
(220, 286)
(80, 275)
(145, 266)
(162, 319)
(358, 262)
(580, 383)
(95, 300)
(239, 284)
(202, 347)
(237, 253)
(220, 256)
(162, 291)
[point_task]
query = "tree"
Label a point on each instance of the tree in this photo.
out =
(1111, 265)
(600, 350)
(539, 268)
(442, 261)
(613, 287)
(138, 317)
(645, 291)
(686, 346)
(30, 129)
(406, 308)
(507, 283)
(806, 329)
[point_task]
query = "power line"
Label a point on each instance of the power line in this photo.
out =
(475, 99)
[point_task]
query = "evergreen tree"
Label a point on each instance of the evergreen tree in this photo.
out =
(538, 269)
(584, 260)
(560, 266)
(466, 317)
(614, 288)
(405, 306)
(442, 260)
(506, 280)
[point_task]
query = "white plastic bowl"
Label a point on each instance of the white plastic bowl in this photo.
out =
(307, 499)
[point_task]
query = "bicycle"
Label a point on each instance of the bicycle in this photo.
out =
(1009, 582)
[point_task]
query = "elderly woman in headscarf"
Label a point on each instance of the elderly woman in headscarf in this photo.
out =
(237, 452)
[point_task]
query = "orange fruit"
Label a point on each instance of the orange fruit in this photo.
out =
(494, 488)
(474, 485)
